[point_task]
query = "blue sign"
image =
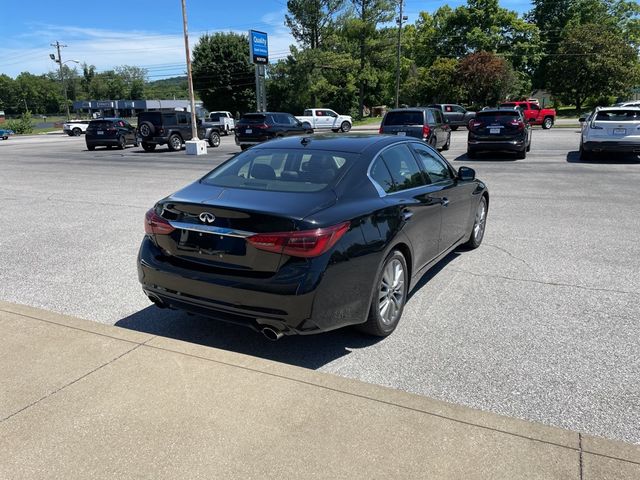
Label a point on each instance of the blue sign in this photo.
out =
(258, 47)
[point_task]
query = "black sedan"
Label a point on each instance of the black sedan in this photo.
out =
(308, 234)
(255, 128)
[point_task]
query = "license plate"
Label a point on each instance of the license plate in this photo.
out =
(99, 132)
(248, 130)
(401, 134)
(619, 131)
(494, 130)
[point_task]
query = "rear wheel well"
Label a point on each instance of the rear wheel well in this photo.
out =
(406, 251)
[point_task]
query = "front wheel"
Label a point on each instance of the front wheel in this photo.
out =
(214, 139)
(389, 298)
(122, 143)
(91, 148)
(547, 123)
(76, 132)
(522, 154)
(345, 127)
(477, 232)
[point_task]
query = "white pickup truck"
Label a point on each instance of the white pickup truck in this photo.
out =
(323, 118)
(75, 128)
(224, 120)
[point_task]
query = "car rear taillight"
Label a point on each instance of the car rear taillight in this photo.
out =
(380, 130)
(473, 124)
(519, 124)
(261, 126)
(154, 224)
(426, 130)
(306, 243)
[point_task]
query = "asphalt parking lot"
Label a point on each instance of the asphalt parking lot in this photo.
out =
(542, 322)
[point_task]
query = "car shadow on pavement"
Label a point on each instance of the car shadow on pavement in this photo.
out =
(487, 157)
(308, 351)
(628, 159)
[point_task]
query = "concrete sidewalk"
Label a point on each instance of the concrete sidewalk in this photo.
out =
(82, 400)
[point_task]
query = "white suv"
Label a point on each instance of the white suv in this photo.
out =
(610, 129)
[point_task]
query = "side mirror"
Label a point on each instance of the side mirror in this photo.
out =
(582, 119)
(466, 174)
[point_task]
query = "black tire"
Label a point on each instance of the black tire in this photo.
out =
(122, 143)
(91, 148)
(146, 129)
(585, 155)
(306, 125)
(148, 147)
(447, 144)
(345, 127)
(76, 132)
(529, 146)
(335, 130)
(244, 147)
(547, 123)
(175, 142)
(454, 127)
(522, 154)
(471, 154)
(214, 139)
(377, 325)
(108, 147)
(476, 236)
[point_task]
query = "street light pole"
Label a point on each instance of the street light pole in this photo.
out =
(399, 22)
(64, 87)
(194, 128)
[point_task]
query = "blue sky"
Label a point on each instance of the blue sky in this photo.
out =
(146, 33)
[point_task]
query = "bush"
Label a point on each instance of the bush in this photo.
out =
(22, 126)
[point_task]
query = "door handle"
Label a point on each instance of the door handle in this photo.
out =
(407, 214)
(444, 201)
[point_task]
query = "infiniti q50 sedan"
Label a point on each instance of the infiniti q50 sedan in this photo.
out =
(307, 234)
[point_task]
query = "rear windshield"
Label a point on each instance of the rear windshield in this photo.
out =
(618, 115)
(415, 117)
(282, 170)
(506, 116)
(252, 118)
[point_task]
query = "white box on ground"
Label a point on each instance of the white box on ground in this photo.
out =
(196, 147)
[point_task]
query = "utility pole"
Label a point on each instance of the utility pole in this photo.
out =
(194, 127)
(399, 21)
(58, 46)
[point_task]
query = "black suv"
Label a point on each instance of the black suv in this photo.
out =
(455, 115)
(170, 128)
(424, 123)
(254, 128)
(110, 132)
(499, 129)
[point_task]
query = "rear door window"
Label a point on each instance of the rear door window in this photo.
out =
(380, 174)
(403, 167)
(430, 116)
(436, 169)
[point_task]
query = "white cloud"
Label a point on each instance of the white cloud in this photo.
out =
(162, 54)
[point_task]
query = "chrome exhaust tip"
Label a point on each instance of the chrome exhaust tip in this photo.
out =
(271, 334)
(156, 300)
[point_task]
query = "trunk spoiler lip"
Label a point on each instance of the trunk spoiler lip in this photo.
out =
(195, 227)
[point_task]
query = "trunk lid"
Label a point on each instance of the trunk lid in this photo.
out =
(212, 232)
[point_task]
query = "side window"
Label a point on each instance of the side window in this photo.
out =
(381, 175)
(182, 119)
(430, 117)
(434, 166)
(171, 120)
(459, 109)
(533, 106)
(403, 167)
(291, 120)
(448, 108)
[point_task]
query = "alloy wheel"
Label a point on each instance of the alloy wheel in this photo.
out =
(392, 292)
(481, 217)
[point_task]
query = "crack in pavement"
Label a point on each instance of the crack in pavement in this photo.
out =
(541, 282)
(511, 255)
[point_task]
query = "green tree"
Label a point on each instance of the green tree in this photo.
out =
(222, 74)
(487, 77)
(438, 83)
(310, 21)
(8, 94)
(588, 65)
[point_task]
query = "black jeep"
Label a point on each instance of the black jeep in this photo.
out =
(172, 129)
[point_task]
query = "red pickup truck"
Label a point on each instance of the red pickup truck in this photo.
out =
(534, 114)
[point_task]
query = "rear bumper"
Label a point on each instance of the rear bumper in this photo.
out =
(251, 140)
(305, 296)
(153, 140)
(101, 142)
(612, 146)
(496, 145)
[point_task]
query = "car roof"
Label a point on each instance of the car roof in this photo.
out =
(409, 109)
(105, 118)
(498, 109)
(352, 143)
(266, 113)
(617, 109)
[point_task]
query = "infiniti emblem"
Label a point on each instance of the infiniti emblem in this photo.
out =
(207, 217)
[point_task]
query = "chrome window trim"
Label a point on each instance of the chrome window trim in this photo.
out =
(225, 232)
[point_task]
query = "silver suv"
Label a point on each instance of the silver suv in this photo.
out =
(611, 130)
